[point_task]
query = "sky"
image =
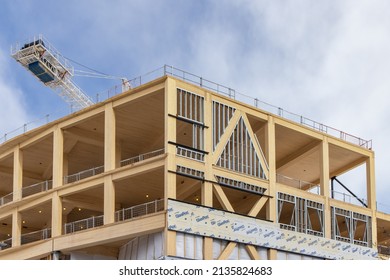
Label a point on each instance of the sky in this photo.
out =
(327, 60)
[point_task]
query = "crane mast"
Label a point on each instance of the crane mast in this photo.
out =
(40, 58)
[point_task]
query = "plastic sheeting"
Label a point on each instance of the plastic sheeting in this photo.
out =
(86, 256)
(281, 255)
(147, 247)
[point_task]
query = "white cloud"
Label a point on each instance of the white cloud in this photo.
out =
(328, 61)
(12, 107)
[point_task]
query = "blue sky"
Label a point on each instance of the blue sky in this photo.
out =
(327, 60)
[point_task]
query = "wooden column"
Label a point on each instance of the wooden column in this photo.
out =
(270, 143)
(371, 196)
(109, 138)
(16, 228)
(324, 184)
(110, 162)
(58, 157)
(56, 215)
(18, 174)
(109, 200)
(207, 187)
(170, 106)
(58, 180)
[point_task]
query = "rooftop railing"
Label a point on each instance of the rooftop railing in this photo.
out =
(36, 236)
(213, 86)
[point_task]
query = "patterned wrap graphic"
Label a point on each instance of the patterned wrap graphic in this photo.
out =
(219, 224)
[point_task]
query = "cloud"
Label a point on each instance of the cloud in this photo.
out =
(13, 108)
(328, 61)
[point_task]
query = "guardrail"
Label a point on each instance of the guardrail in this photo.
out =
(5, 244)
(36, 236)
(6, 199)
(296, 183)
(188, 153)
(37, 188)
(84, 224)
(142, 157)
(83, 174)
(139, 210)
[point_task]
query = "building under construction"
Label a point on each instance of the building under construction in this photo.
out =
(178, 167)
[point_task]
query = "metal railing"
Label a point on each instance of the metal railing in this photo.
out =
(199, 81)
(36, 236)
(384, 250)
(84, 224)
(5, 244)
(37, 188)
(347, 198)
(142, 157)
(299, 184)
(139, 210)
(6, 199)
(83, 174)
(188, 153)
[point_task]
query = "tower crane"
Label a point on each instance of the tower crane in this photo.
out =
(47, 64)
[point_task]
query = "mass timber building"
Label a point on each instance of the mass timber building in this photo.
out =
(178, 167)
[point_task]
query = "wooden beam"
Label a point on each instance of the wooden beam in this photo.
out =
(256, 145)
(110, 233)
(222, 198)
(227, 251)
(87, 137)
(297, 155)
(252, 252)
(256, 208)
(184, 192)
(226, 136)
(84, 204)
